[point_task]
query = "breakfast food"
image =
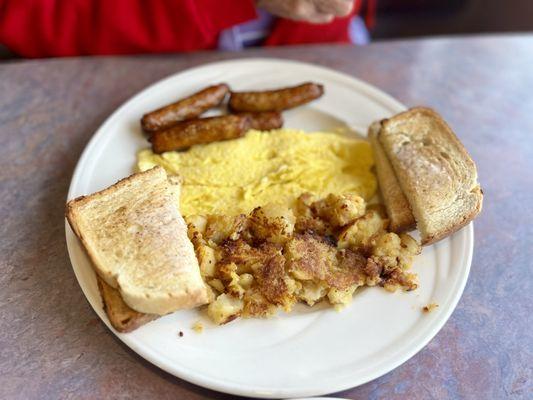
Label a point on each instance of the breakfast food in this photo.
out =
(319, 250)
(434, 170)
(197, 131)
(398, 208)
(176, 126)
(252, 218)
(233, 177)
(264, 121)
(184, 109)
(122, 317)
(275, 100)
(137, 241)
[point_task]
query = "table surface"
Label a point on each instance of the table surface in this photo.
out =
(52, 345)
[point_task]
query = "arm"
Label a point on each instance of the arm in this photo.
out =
(41, 28)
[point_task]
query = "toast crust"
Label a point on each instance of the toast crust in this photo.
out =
(398, 208)
(122, 317)
(467, 218)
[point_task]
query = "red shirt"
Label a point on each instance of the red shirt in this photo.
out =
(44, 28)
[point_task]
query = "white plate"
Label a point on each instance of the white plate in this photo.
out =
(309, 352)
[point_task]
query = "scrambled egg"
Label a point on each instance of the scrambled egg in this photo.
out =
(235, 176)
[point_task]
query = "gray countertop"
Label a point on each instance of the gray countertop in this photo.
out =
(52, 345)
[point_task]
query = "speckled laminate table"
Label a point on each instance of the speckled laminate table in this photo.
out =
(52, 345)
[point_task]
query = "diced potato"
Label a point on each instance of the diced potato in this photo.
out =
(256, 305)
(273, 223)
(311, 292)
(341, 297)
(197, 222)
(217, 285)
(388, 244)
(224, 309)
(309, 257)
(222, 227)
(207, 260)
(361, 232)
(234, 286)
(302, 208)
(410, 248)
(198, 327)
(340, 210)
(227, 270)
(396, 251)
(293, 286)
(246, 280)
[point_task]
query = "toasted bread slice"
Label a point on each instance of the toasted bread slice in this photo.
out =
(398, 208)
(137, 241)
(435, 172)
(122, 317)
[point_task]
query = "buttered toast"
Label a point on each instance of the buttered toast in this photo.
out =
(137, 241)
(434, 170)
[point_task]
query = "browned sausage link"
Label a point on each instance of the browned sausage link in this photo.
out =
(197, 131)
(184, 109)
(275, 100)
(264, 121)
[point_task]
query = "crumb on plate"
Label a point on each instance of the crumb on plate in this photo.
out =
(198, 327)
(430, 307)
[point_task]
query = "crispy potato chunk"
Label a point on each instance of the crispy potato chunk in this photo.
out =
(224, 309)
(320, 250)
(361, 232)
(246, 281)
(302, 208)
(222, 227)
(274, 284)
(245, 255)
(396, 251)
(217, 285)
(347, 271)
(341, 297)
(207, 260)
(312, 292)
(394, 255)
(272, 223)
(410, 248)
(196, 223)
(313, 225)
(340, 210)
(256, 305)
(309, 257)
(234, 286)
(226, 270)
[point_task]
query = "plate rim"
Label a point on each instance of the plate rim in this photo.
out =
(231, 388)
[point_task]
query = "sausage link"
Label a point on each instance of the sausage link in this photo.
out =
(184, 109)
(275, 100)
(204, 130)
(264, 121)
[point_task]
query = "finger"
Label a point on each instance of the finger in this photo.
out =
(306, 10)
(303, 9)
(319, 18)
(338, 8)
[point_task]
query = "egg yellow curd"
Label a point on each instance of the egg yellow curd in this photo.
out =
(235, 176)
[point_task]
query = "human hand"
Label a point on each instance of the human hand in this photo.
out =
(313, 11)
